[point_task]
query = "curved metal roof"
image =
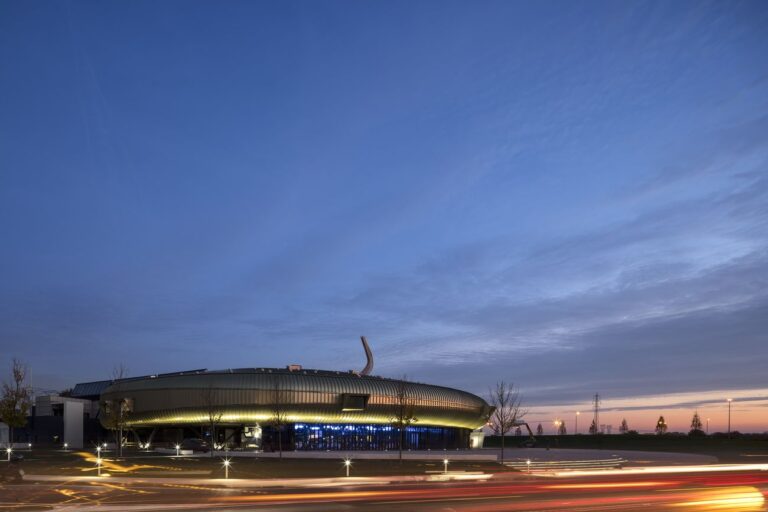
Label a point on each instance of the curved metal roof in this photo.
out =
(248, 395)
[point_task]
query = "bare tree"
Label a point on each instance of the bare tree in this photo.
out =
(278, 406)
(405, 412)
(16, 400)
(507, 414)
(213, 413)
(624, 428)
(696, 425)
(116, 411)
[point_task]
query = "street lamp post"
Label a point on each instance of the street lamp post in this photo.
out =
(729, 416)
(528, 463)
(576, 430)
(178, 447)
(445, 466)
(8, 451)
(227, 463)
(347, 463)
(98, 465)
(707, 425)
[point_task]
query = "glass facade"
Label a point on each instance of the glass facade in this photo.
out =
(315, 436)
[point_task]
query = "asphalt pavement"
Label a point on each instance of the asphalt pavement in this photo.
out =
(695, 489)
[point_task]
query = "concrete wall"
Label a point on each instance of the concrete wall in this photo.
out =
(44, 404)
(73, 423)
(476, 439)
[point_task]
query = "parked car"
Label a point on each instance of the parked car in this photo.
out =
(195, 444)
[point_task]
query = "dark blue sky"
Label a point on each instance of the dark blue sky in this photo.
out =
(569, 195)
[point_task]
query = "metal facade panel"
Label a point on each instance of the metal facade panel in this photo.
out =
(246, 396)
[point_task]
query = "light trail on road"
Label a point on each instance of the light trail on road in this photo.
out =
(618, 492)
(661, 470)
(729, 489)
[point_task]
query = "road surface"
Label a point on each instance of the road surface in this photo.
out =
(743, 490)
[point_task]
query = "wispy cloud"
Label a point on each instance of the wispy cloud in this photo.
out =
(577, 204)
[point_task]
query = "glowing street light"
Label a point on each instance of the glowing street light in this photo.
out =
(226, 464)
(98, 451)
(178, 447)
(347, 464)
(445, 466)
(29, 446)
(528, 462)
(8, 451)
(98, 465)
(576, 430)
(729, 416)
(557, 426)
(66, 446)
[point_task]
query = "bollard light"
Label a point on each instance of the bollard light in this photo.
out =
(8, 451)
(227, 463)
(445, 466)
(347, 464)
(66, 446)
(29, 446)
(528, 462)
(178, 447)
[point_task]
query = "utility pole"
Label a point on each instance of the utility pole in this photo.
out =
(596, 402)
